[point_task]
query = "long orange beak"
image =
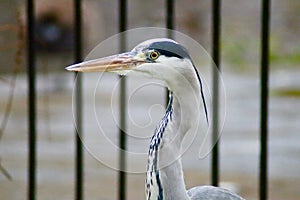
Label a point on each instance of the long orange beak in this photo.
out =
(120, 62)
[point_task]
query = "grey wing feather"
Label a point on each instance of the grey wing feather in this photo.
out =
(211, 193)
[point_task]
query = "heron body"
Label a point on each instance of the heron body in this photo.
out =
(166, 60)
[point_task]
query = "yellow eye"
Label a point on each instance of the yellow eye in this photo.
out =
(154, 55)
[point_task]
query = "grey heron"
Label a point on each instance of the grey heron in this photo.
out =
(166, 60)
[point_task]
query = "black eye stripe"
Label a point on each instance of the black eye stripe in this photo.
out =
(168, 53)
(169, 49)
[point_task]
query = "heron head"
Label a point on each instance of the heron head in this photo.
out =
(161, 58)
(158, 58)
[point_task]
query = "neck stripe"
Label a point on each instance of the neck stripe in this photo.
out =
(153, 181)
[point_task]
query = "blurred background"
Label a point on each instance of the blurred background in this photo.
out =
(240, 47)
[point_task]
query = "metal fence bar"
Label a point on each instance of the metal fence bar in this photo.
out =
(31, 101)
(170, 17)
(264, 93)
(216, 35)
(123, 107)
(79, 189)
(170, 26)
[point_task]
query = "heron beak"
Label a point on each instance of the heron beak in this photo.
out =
(116, 63)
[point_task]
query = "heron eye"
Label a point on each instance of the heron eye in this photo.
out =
(154, 55)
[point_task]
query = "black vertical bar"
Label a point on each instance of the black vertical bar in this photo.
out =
(31, 101)
(78, 97)
(264, 76)
(170, 17)
(170, 26)
(122, 130)
(216, 31)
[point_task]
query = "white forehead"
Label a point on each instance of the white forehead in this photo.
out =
(147, 43)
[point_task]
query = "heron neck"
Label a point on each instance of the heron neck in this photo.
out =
(184, 117)
(164, 170)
